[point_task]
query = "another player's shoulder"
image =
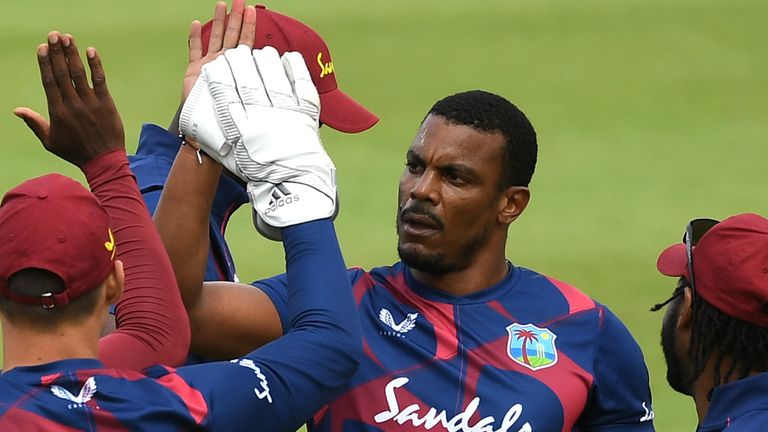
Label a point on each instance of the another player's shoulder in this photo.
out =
(154, 157)
(155, 141)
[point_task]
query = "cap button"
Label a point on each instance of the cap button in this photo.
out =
(61, 239)
(765, 269)
(42, 195)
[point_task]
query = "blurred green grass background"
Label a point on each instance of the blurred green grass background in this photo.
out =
(649, 113)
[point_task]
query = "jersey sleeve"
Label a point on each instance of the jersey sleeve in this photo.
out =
(276, 288)
(620, 399)
(282, 384)
(152, 324)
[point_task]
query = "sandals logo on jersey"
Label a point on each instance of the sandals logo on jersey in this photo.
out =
(262, 391)
(531, 346)
(426, 417)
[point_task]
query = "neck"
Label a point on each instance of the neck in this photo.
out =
(703, 386)
(23, 346)
(480, 275)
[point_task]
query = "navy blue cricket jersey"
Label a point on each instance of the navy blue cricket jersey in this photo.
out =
(739, 406)
(528, 354)
(151, 165)
(275, 388)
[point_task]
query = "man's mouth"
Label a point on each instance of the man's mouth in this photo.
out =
(419, 222)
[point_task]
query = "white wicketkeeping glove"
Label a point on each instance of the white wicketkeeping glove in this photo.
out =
(266, 132)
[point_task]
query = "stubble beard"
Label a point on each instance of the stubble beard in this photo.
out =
(439, 262)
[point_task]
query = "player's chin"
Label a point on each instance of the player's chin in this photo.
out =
(419, 256)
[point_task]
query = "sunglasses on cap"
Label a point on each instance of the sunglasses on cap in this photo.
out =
(694, 231)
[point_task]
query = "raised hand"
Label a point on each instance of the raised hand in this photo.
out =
(238, 29)
(258, 115)
(84, 122)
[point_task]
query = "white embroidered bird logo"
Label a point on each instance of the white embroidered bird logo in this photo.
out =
(405, 326)
(86, 393)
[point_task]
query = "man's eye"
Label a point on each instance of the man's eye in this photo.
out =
(455, 178)
(413, 167)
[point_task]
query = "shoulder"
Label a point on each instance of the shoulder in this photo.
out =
(154, 157)
(156, 141)
(551, 288)
(751, 421)
(533, 297)
(382, 275)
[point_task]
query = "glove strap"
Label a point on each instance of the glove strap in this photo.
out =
(194, 145)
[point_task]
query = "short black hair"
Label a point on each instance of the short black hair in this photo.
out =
(35, 282)
(715, 333)
(492, 113)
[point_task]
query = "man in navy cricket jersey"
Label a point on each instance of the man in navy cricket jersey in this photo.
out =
(715, 331)
(53, 379)
(456, 337)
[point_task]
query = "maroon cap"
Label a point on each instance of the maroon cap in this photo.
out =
(284, 33)
(730, 266)
(53, 223)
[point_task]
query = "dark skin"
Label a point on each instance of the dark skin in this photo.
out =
(244, 314)
(680, 318)
(451, 206)
(453, 172)
(84, 122)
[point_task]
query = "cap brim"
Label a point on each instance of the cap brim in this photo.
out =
(673, 261)
(341, 112)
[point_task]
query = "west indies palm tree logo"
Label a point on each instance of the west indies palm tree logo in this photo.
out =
(531, 346)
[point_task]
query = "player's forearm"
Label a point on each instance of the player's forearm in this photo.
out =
(320, 296)
(322, 349)
(182, 218)
(152, 323)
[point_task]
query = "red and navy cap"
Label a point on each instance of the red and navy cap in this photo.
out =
(53, 223)
(730, 264)
(285, 34)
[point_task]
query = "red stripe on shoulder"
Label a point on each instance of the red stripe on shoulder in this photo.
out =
(20, 420)
(192, 398)
(362, 285)
(47, 380)
(577, 300)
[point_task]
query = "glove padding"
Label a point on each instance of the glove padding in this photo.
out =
(265, 130)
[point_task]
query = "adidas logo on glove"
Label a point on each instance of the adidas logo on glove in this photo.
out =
(281, 197)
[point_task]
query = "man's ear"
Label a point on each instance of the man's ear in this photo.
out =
(513, 202)
(685, 314)
(114, 283)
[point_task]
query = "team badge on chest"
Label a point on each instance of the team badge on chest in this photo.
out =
(531, 346)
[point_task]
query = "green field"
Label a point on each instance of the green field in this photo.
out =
(649, 113)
